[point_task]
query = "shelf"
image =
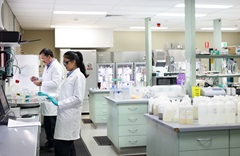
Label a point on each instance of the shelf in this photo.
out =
(217, 56)
(217, 75)
(9, 44)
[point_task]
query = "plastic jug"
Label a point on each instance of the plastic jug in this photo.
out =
(203, 113)
(230, 112)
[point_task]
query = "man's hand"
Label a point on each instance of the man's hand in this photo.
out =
(34, 78)
(37, 83)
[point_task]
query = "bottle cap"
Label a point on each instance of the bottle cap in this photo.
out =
(17, 81)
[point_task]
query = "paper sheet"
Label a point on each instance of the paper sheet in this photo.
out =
(16, 123)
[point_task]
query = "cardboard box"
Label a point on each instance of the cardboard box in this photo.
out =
(231, 50)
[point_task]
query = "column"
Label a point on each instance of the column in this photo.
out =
(217, 39)
(148, 48)
(190, 45)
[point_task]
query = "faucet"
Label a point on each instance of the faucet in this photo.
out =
(19, 69)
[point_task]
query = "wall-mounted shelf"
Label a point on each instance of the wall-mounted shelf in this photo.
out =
(217, 56)
(9, 44)
(217, 75)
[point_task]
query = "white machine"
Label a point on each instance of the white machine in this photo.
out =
(211, 91)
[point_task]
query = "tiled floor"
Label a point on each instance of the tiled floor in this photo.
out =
(88, 132)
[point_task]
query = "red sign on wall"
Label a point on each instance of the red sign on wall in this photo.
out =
(206, 44)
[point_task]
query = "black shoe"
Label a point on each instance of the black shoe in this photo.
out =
(47, 146)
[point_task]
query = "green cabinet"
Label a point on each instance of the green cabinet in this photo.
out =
(167, 139)
(126, 125)
(234, 142)
(98, 106)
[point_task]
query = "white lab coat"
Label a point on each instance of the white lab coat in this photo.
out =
(51, 79)
(70, 101)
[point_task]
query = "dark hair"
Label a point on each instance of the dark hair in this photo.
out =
(46, 52)
(77, 56)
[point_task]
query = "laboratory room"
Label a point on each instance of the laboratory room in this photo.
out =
(119, 78)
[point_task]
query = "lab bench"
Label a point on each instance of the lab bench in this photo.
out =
(98, 106)
(126, 125)
(20, 140)
(173, 139)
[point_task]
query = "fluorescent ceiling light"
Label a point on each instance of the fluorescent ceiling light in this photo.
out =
(153, 28)
(79, 13)
(207, 6)
(69, 26)
(178, 14)
(221, 28)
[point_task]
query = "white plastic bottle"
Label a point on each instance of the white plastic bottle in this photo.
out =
(230, 112)
(212, 112)
(150, 105)
(221, 113)
(189, 114)
(168, 113)
(195, 107)
(182, 113)
(203, 113)
(238, 119)
(176, 110)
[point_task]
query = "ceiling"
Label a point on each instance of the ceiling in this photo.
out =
(121, 14)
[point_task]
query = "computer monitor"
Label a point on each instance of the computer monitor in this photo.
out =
(4, 105)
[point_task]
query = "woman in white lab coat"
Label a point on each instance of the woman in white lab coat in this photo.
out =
(69, 104)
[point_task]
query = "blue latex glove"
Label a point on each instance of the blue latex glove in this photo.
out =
(42, 94)
(54, 101)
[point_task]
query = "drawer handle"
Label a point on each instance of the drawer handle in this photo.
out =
(104, 103)
(104, 111)
(104, 118)
(133, 109)
(133, 141)
(132, 130)
(206, 139)
(132, 119)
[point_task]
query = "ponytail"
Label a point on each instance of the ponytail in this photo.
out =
(80, 63)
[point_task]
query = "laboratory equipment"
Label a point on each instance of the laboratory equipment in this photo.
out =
(212, 91)
(140, 73)
(124, 72)
(105, 73)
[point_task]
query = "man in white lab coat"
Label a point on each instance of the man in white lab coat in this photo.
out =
(51, 79)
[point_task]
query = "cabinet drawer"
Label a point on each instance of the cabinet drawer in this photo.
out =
(234, 138)
(234, 151)
(217, 152)
(100, 97)
(132, 130)
(203, 140)
(100, 103)
(133, 108)
(101, 111)
(132, 119)
(132, 141)
(100, 119)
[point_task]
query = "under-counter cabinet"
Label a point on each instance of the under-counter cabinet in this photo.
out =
(234, 142)
(98, 106)
(126, 125)
(173, 139)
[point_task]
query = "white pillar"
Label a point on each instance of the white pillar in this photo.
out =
(217, 39)
(148, 48)
(190, 45)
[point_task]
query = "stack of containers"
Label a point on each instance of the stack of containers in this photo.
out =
(217, 110)
(172, 111)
